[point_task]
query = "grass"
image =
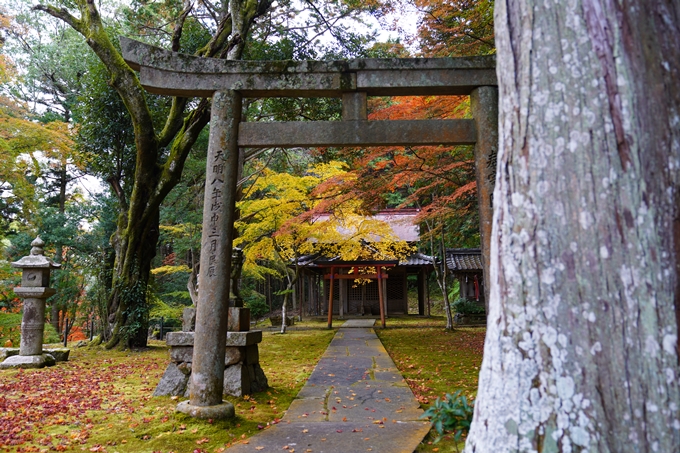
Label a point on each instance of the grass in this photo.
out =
(101, 401)
(434, 362)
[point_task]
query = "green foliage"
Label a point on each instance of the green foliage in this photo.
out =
(99, 260)
(451, 415)
(50, 335)
(467, 307)
(160, 309)
(10, 329)
(256, 302)
(9, 278)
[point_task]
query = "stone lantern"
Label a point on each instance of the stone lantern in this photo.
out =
(34, 289)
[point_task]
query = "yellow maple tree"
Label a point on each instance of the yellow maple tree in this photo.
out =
(280, 223)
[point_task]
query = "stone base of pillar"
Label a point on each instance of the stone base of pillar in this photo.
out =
(239, 319)
(28, 361)
(59, 354)
(242, 372)
(218, 412)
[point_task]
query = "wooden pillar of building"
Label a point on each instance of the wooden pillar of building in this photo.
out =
(342, 297)
(404, 286)
(385, 296)
(381, 297)
(427, 290)
(319, 290)
(330, 299)
(320, 282)
(421, 291)
(310, 293)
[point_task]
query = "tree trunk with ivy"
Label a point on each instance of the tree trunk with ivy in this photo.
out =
(581, 350)
(160, 155)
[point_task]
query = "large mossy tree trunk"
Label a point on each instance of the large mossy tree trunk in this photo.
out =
(160, 155)
(581, 348)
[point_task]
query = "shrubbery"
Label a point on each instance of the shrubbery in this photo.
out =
(467, 307)
(451, 415)
(10, 329)
(256, 302)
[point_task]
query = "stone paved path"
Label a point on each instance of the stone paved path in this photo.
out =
(358, 323)
(355, 401)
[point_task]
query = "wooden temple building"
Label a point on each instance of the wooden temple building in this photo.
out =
(329, 285)
(465, 265)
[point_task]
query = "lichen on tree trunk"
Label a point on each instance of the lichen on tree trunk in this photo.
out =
(581, 348)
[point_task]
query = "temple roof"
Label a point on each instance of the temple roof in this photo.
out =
(464, 260)
(318, 260)
(402, 222)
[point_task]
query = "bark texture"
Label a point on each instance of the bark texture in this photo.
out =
(581, 349)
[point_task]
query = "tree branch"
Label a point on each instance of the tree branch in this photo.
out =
(61, 13)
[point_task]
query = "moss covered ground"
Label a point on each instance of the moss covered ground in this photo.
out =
(434, 362)
(101, 401)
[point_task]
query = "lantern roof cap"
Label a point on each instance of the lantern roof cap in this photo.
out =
(37, 258)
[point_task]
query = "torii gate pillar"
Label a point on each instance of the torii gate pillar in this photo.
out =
(484, 106)
(219, 214)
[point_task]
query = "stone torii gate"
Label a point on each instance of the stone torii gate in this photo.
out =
(227, 82)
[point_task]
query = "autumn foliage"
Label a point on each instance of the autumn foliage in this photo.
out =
(285, 216)
(453, 28)
(438, 180)
(65, 395)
